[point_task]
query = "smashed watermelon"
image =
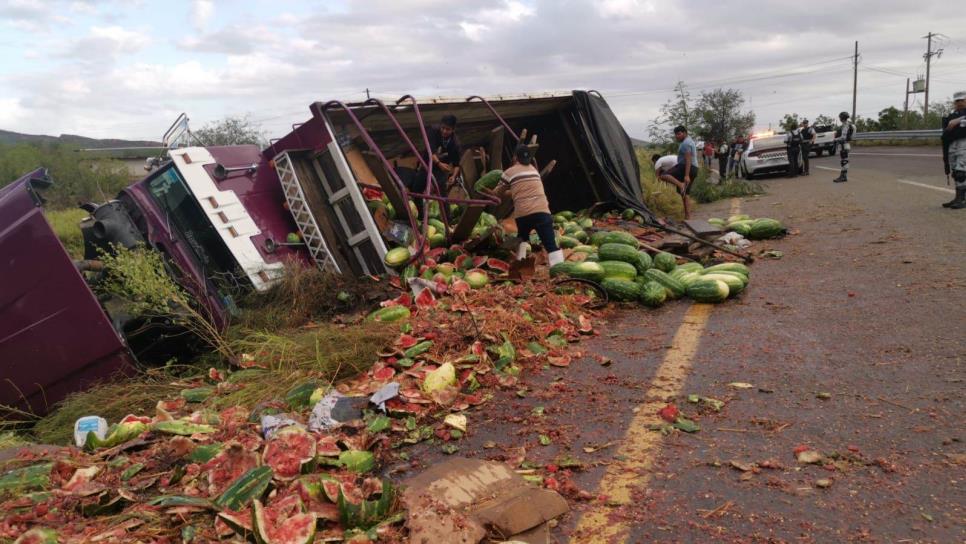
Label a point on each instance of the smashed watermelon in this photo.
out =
(498, 265)
(283, 522)
(228, 465)
(288, 451)
(39, 535)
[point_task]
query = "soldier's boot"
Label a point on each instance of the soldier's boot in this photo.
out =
(960, 201)
(843, 177)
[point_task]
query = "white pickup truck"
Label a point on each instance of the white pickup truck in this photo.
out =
(824, 140)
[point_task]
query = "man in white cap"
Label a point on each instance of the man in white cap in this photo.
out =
(954, 149)
(843, 136)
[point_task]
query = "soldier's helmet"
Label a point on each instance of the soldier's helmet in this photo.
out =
(844, 115)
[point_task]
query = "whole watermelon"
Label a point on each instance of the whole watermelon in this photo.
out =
(665, 262)
(653, 294)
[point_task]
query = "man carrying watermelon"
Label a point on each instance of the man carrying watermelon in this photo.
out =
(843, 135)
(530, 208)
(954, 149)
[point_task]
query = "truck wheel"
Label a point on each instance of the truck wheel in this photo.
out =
(818, 152)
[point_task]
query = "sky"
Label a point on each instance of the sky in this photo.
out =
(126, 69)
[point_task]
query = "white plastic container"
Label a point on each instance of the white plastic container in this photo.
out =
(86, 424)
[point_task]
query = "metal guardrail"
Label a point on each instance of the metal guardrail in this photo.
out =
(898, 135)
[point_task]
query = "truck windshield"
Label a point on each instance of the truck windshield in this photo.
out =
(188, 220)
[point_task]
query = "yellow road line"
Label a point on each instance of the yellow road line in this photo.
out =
(640, 445)
(735, 206)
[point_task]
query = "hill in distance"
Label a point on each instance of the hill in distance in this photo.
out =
(73, 140)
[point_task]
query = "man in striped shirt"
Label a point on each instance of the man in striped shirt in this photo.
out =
(530, 208)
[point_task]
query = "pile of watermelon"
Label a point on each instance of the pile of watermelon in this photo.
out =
(762, 228)
(628, 274)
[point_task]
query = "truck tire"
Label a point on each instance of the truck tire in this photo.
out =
(818, 152)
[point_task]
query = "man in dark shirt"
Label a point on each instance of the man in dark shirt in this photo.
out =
(446, 151)
(954, 149)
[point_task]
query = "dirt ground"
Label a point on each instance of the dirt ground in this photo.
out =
(853, 344)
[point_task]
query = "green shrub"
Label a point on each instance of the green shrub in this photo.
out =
(704, 191)
(66, 224)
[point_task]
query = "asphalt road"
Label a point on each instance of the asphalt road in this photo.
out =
(853, 345)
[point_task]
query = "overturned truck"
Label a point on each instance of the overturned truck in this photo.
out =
(228, 219)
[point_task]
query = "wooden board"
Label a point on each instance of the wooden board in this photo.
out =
(703, 229)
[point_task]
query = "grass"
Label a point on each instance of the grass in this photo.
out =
(704, 192)
(10, 439)
(66, 225)
(111, 400)
(304, 294)
(327, 352)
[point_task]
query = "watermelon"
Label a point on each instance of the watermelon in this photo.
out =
(619, 252)
(488, 181)
(559, 218)
(653, 294)
(567, 214)
(717, 221)
(733, 267)
(764, 228)
(476, 278)
(741, 227)
(434, 212)
(488, 220)
(446, 269)
(709, 291)
(357, 460)
(628, 214)
(618, 269)
(588, 271)
(397, 258)
(205, 452)
(665, 262)
(38, 535)
(643, 262)
(621, 289)
(567, 242)
(585, 249)
(580, 236)
(570, 227)
(739, 275)
(181, 428)
(735, 284)
(621, 237)
(675, 289)
(288, 451)
(597, 238)
(687, 278)
(739, 217)
(562, 269)
(593, 258)
(298, 396)
(390, 314)
(691, 267)
(586, 223)
(283, 522)
(248, 487)
(437, 240)
(331, 487)
(241, 524)
(498, 265)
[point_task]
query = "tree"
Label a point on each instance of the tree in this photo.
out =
(719, 114)
(890, 119)
(789, 122)
(824, 120)
(231, 131)
(674, 112)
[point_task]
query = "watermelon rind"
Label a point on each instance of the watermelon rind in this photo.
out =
(665, 262)
(289, 451)
(618, 269)
(708, 291)
(296, 527)
(621, 289)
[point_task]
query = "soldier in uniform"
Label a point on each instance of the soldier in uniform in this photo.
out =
(793, 144)
(808, 138)
(954, 149)
(843, 136)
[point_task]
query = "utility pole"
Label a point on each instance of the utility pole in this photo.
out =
(928, 56)
(855, 79)
(905, 109)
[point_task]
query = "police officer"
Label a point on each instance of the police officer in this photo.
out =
(954, 149)
(793, 144)
(808, 138)
(843, 136)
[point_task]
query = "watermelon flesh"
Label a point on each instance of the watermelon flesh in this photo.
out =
(228, 465)
(283, 522)
(287, 451)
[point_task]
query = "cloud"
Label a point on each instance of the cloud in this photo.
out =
(201, 12)
(633, 51)
(105, 43)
